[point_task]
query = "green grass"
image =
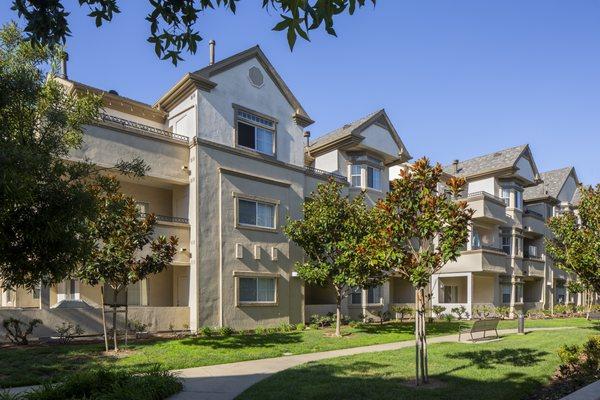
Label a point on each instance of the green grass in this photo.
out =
(511, 368)
(34, 365)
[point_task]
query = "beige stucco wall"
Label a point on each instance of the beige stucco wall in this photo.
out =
(160, 200)
(484, 288)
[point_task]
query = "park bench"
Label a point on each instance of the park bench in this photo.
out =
(594, 316)
(481, 325)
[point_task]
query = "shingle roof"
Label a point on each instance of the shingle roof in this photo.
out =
(342, 131)
(552, 183)
(487, 163)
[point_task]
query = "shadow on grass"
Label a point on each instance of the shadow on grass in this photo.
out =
(379, 380)
(433, 328)
(242, 341)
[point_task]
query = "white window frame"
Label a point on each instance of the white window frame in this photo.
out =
(518, 200)
(353, 174)
(274, 203)
(453, 293)
(504, 285)
(505, 194)
(356, 291)
(250, 275)
(257, 121)
(371, 293)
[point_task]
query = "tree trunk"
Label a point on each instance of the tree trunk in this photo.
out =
(338, 312)
(114, 307)
(104, 319)
(126, 316)
(422, 370)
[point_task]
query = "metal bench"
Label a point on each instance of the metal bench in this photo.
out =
(594, 316)
(481, 325)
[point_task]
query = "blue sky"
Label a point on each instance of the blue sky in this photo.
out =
(458, 78)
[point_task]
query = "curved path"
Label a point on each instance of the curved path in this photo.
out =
(227, 381)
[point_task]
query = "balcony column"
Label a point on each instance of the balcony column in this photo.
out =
(435, 290)
(513, 295)
(470, 293)
(363, 302)
(386, 295)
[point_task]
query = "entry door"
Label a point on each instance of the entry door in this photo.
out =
(183, 290)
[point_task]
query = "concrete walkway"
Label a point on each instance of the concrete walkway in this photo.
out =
(227, 381)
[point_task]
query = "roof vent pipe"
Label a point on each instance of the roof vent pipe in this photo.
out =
(62, 73)
(455, 163)
(307, 138)
(211, 47)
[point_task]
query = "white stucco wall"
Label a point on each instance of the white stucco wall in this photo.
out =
(328, 162)
(216, 114)
(182, 119)
(380, 139)
(568, 189)
(483, 185)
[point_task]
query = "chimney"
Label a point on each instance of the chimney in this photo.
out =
(62, 73)
(211, 47)
(455, 163)
(307, 138)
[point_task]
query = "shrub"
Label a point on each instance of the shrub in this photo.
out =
(313, 326)
(226, 331)
(591, 351)
(322, 320)
(285, 327)
(300, 326)
(139, 326)
(482, 311)
(67, 332)
(14, 330)
(460, 312)
(383, 316)
(259, 330)
(403, 311)
(206, 331)
(447, 317)
(560, 310)
(569, 355)
(438, 310)
(110, 384)
(503, 311)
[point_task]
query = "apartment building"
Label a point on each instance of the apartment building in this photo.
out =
(231, 159)
(229, 162)
(504, 262)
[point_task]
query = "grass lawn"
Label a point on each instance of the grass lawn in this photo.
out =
(33, 365)
(511, 368)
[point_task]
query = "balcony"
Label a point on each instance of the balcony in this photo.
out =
(534, 266)
(534, 223)
(179, 227)
(319, 173)
(488, 208)
(485, 259)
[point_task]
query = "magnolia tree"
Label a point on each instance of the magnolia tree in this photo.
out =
(121, 236)
(332, 235)
(575, 245)
(418, 230)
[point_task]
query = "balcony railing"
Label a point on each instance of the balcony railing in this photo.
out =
(486, 247)
(534, 213)
(486, 194)
(168, 218)
(141, 127)
(319, 172)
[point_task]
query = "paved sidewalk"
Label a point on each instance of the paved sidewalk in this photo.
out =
(227, 381)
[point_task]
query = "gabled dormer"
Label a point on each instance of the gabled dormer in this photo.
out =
(362, 151)
(242, 102)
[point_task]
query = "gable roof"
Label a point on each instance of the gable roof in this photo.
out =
(576, 200)
(202, 79)
(551, 185)
(505, 159)
(350, 134)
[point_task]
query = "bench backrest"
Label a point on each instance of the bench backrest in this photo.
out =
(481, 325)
(594, 315)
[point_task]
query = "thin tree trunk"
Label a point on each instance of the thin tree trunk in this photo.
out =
(104, 319)
(424, 339)
(116, 346)
(417, 346)
(126, 316)
(338, 312)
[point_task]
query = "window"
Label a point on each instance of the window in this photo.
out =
(257, 290)
(256, 213)
(71, 290)
(142, 207)
(475, 240)
(505, 194)
(505, 291)
(506, 244)
(561, 292)
(255, 132)
(532, 251)
(35, 293)
(374, 178)
(374, 295)
(356, 175)
(356, 296)
(519, 199)
(450, 294)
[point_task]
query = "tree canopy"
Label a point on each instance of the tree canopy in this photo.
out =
(173, 23)
(331, 234)
(575, 245)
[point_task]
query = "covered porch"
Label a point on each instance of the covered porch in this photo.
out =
(467, 289)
